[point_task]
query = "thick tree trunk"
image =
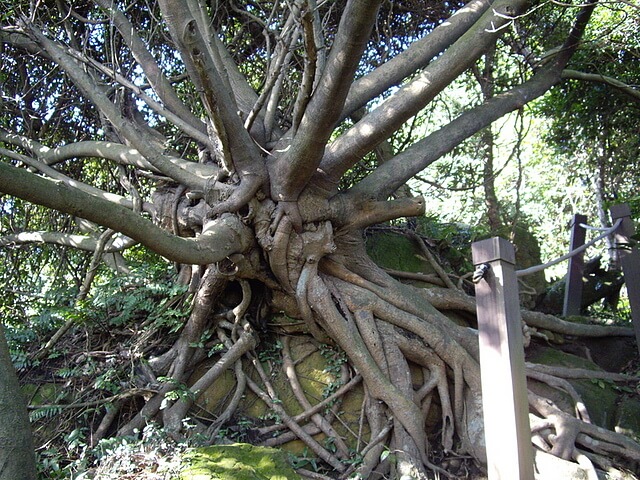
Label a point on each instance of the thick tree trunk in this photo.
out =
(267, 216)
(17, 459)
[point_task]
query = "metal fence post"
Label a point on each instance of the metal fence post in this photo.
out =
(573, 283)
(629, 260)
(504, 389)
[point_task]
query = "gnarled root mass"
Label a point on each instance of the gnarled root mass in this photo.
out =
(414, 363)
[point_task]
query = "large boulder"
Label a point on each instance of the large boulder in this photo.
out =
(609, 406)
(318, 369)
(598, 285)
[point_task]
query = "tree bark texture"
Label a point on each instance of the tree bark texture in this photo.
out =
(17, 458)
(246, 200)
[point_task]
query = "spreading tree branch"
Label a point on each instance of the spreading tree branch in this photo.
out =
(219, 239)
(389, 176)
(363, 213)
(158, 81)
(81, 242)
(291, 172)
(414, 58)
(275, 72)
(112, 151)
(628, 90)
(383, 121)
(310, 66)
(194, 132)
(135, 133)
(241, 154)
(62, 178)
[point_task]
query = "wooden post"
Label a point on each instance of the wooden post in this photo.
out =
(629, 260)
(504, 389)
(573, 283)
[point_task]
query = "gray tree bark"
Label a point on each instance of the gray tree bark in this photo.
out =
(17, 457)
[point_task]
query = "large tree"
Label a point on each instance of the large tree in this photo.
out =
(223, 136)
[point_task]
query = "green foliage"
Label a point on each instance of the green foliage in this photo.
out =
(50, 464)
(119, 457)
(179, 392)
(242, 427)
(113, 458)
(148, 295)
(335, 358)
(271, 352)
(307, 460)
(593, 126)
(619, 314)
(30, 323)
(45, 412)
(452, 240)
(109, 380)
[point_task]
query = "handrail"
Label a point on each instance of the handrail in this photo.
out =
(567, 256)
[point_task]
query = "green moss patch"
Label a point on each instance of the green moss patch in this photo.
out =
(555, 357)
(599, 397)
(396, 252)
(239, 461)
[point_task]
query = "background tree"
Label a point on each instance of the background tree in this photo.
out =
(218, 134)
(17, 454)
(591, 114)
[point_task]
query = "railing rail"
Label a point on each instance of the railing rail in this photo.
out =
(572, 253)
(504, 392)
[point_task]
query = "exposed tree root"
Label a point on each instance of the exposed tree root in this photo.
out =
(564, 385)
(178, 356)
(561, 433)
(456, 300)
(345, 332)
(388, 331)
(576, 373)
(304, 416)
(227, 414)
(320, 422)
(431, 259)
(272, 400)
(173, 416)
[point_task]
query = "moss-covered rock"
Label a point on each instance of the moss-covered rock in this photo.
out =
(318, 370)
(397, 252)
(45, 393)
(599, 397)
(527, 255)
(239, 461)
(555, 357)
(628, 417)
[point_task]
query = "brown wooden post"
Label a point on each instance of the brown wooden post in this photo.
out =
(504, 389)
(573, 283)
(629, 260)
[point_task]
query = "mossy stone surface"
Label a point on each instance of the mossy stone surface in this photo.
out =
(45, 393)
(599, 397)
(396, 252)
(318, 375)
(628, 417)
(238, 461)
(556, 357)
